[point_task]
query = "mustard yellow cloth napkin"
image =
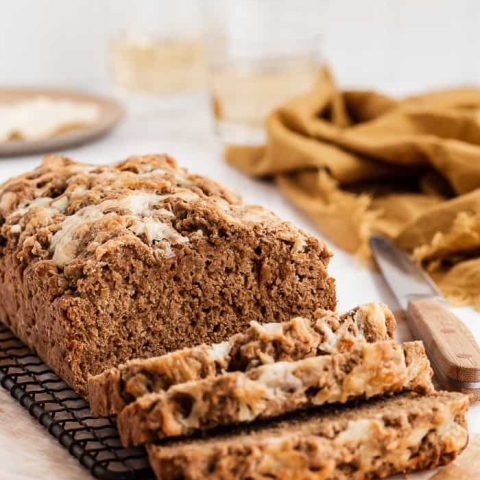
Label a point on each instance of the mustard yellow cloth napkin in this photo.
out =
(359, 162)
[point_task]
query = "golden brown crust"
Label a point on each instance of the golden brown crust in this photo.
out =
(327, 332)
(101, 264)
(376, 439)
(274, 389)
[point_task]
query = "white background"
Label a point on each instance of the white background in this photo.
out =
(400, 46)
(404, 45)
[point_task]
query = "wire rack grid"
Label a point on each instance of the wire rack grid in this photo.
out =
(65, 415)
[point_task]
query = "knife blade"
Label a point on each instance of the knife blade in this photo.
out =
(450, 345)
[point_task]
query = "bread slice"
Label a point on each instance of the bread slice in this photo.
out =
(100, 264)
(378, 438)
(325, 333)
(369, 369)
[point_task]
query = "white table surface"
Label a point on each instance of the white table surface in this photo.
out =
(26, 450)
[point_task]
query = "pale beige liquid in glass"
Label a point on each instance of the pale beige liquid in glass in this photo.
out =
(242, 98)
(158, 66)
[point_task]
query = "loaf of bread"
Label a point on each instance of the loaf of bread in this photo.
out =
(324, 333)
(368, 370)
(102, 264)
(373, 440)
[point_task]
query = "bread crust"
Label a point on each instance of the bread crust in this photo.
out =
(102, 264)
(367, 370)
(324, 333)
(376, 439)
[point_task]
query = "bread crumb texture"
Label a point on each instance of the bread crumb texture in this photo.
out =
(377, 439)
(100, 264)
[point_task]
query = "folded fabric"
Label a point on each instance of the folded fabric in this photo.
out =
(359, 162)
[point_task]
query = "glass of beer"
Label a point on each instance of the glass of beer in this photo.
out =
(156, 47)
(260, 54)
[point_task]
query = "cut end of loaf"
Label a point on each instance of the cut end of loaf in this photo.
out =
(141, 258)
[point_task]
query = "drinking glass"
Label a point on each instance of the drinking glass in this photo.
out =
(156, 47)
(260, 53)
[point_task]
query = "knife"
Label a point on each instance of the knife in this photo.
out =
(450, 345)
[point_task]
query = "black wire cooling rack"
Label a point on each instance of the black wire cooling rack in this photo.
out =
(93, 441)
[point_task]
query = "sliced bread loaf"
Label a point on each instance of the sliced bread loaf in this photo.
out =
(100, 264)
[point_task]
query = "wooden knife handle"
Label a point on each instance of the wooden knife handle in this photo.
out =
(447, 340)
